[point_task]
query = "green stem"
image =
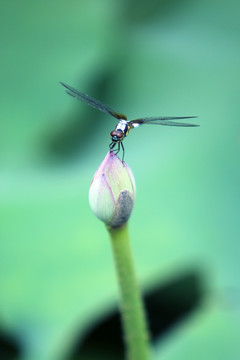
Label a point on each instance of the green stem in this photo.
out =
(133, 317)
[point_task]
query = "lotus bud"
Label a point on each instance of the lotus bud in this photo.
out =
(112, 191)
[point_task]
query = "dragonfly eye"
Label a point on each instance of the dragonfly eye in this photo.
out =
(113, 133)
(119, 134)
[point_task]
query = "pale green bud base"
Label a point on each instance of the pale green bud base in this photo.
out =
(131, 306)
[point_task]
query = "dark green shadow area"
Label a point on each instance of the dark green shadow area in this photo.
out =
(9, 347)
(167, 305)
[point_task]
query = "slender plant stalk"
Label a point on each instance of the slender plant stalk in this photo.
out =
(131, 306)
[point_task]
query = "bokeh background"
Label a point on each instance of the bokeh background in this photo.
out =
(144, 58)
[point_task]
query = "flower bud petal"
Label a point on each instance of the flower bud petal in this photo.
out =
(101, 198)
(122, 210)
(131, 177)
(112, 191)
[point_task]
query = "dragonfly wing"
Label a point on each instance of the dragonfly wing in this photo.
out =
(92, 102)
(165, 121)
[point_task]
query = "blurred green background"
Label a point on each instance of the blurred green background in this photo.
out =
(143, 58)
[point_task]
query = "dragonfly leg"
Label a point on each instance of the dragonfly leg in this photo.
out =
(120, 145)
(111, 146)
(123, 151)
(118, 149)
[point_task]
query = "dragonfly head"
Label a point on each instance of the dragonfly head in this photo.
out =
(116, 136)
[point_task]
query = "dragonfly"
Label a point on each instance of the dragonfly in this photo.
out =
(124, 126)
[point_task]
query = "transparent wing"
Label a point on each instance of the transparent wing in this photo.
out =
(165, 121)
(92, 102)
